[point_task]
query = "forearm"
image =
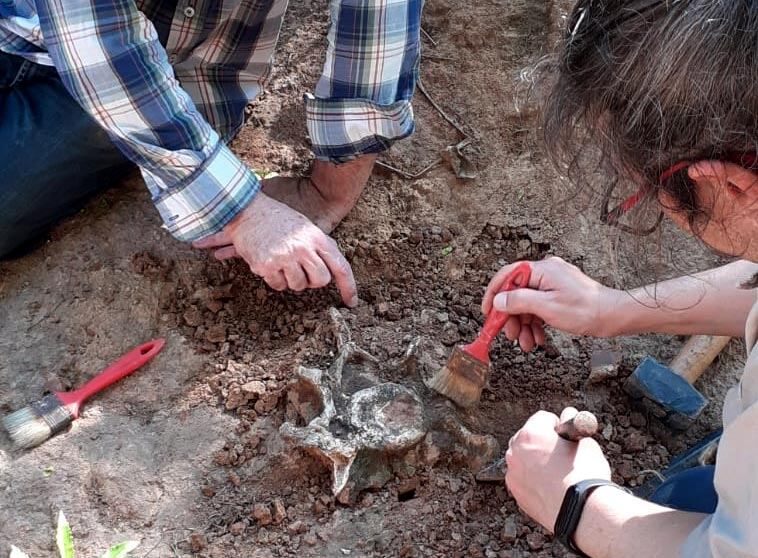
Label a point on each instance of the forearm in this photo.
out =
(362, 102)
(615, 524)
(111, 61)
(710, 302)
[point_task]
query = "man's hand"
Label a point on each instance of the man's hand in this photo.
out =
(284, 248)
(542, 466)
(559, 295)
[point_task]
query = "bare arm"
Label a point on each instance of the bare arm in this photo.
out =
(710, 302)
(615, 524)
(562, 296)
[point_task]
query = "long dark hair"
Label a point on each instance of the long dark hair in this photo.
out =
(637, 86)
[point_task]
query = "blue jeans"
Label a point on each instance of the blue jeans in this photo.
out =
(691, 490)
(53, 156)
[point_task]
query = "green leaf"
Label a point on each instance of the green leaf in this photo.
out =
(447, 250)
(121, 549)
(48, 471)
(64, 538)
(17, 553)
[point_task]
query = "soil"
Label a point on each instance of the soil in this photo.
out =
(184, 456)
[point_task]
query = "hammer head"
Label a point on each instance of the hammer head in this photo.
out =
(665, 394)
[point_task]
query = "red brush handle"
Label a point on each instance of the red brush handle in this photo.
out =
(124, 366)
(480, 348)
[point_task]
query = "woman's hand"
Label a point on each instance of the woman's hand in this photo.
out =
(542, 466)
(559, 295)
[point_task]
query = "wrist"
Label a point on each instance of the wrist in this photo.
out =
(255, 207)
(613, 314)
(601, 520)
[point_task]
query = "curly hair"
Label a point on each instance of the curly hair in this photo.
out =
(644, 84)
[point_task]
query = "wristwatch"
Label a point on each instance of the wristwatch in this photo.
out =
(572, 508)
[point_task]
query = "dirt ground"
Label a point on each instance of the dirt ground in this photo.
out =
(174, 457)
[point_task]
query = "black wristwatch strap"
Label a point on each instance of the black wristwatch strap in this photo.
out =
(572, 508)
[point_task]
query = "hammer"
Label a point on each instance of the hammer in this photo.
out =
(583, 425)
(667, 391)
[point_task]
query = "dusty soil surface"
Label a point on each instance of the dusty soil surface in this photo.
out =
(182, 458)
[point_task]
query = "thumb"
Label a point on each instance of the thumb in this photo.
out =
(222, 238)
(522, 301)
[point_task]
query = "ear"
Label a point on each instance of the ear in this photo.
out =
(736, 181)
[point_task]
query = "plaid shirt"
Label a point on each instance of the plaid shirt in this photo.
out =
(169, 81)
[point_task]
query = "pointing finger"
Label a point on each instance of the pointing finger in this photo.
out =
(341, 272)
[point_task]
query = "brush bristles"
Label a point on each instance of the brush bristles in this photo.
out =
(26, 428)
(453, 386)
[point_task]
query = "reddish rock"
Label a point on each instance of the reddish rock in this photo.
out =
(280, 513)
(262, 514)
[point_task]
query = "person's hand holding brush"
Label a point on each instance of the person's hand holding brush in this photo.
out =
(559, 295)
(562, 296)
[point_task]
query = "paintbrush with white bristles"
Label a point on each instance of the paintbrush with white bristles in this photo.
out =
(32, 425)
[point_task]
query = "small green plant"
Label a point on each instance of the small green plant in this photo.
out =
(64, 539)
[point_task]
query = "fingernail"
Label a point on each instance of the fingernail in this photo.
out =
(353, 302)
(501, 301)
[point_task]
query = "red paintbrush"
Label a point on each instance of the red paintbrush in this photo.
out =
(32, 425)
(466, 372)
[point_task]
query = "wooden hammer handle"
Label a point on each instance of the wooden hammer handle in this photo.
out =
(697, 354)
(583, 425)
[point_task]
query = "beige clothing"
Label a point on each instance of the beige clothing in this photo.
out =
(732, 531)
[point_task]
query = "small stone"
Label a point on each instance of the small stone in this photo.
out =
(634, 442)
(604, 364)
(237, 528)
(638, 420)
(455, 484)
(535, 540)
(197, 542)
(608, 431)
(234, 478)
(267, 402)
(455, 536)
(297, 527)
(310, 539)
(193, 316)
(262, 514)
(216, 333)
(511, 530)
(214, 306)
(443, 317)
(450, 334)
(280, 513)
(253, 389)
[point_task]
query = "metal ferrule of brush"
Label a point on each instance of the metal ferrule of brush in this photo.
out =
(53, 412)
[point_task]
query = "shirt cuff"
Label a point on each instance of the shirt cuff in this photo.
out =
(343, 129)
(209, 198)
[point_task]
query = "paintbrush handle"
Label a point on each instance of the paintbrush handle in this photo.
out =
(124, 366)
(516, 279)
(583, 425)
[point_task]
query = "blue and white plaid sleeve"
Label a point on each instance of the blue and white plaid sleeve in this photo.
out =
(362, 103)
(110, 60)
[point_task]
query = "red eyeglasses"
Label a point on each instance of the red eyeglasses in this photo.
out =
(748, 161)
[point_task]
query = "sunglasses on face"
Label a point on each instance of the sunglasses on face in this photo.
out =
(748, 161)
